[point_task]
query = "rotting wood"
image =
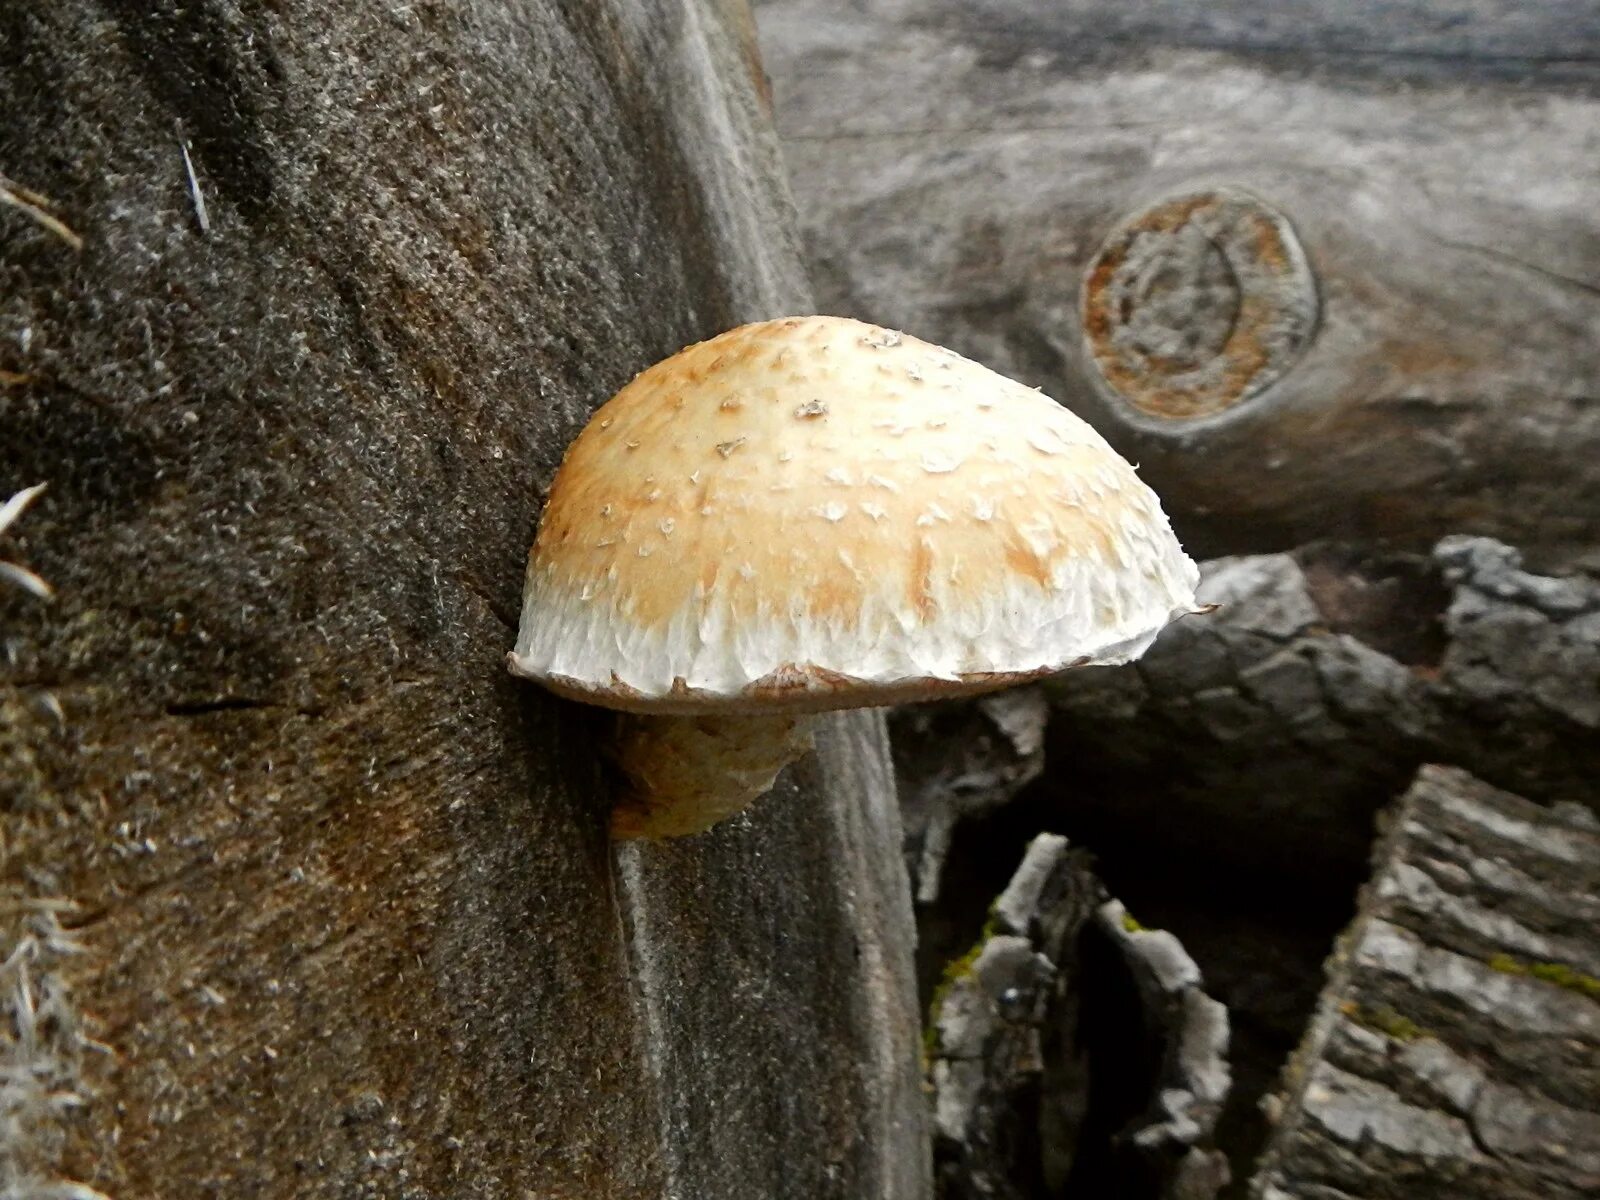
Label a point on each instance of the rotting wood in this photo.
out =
(956, 761)
(1072, 1051)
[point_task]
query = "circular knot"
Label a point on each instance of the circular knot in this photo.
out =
(1197, 304)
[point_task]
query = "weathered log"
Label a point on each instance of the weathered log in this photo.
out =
(1271, 730)
(1456, 1048)
(1072, 1052)
(300, 893)
(1325, 270)
(1516, 697)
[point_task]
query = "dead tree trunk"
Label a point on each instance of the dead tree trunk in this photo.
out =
(300, 894)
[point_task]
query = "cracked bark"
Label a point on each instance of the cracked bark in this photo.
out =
(1274, 728)
(1456, 1048)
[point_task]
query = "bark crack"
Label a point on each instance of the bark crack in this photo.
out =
(1512, 260)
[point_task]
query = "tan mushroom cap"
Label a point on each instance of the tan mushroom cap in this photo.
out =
(814, 513)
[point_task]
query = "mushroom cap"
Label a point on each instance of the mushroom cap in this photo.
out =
(814, 513)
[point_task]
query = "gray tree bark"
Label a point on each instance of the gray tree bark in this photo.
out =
(1456, 1048)
(300, 894)
(1072, 1051)
(1321, 269)
(1273, 729)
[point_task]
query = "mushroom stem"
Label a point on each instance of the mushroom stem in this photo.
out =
(684, 774)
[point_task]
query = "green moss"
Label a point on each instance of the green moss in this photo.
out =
(991, 922)
(1559, 974)
(1386, 1021)
(954, 971)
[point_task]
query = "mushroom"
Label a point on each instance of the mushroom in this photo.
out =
(813, 513)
